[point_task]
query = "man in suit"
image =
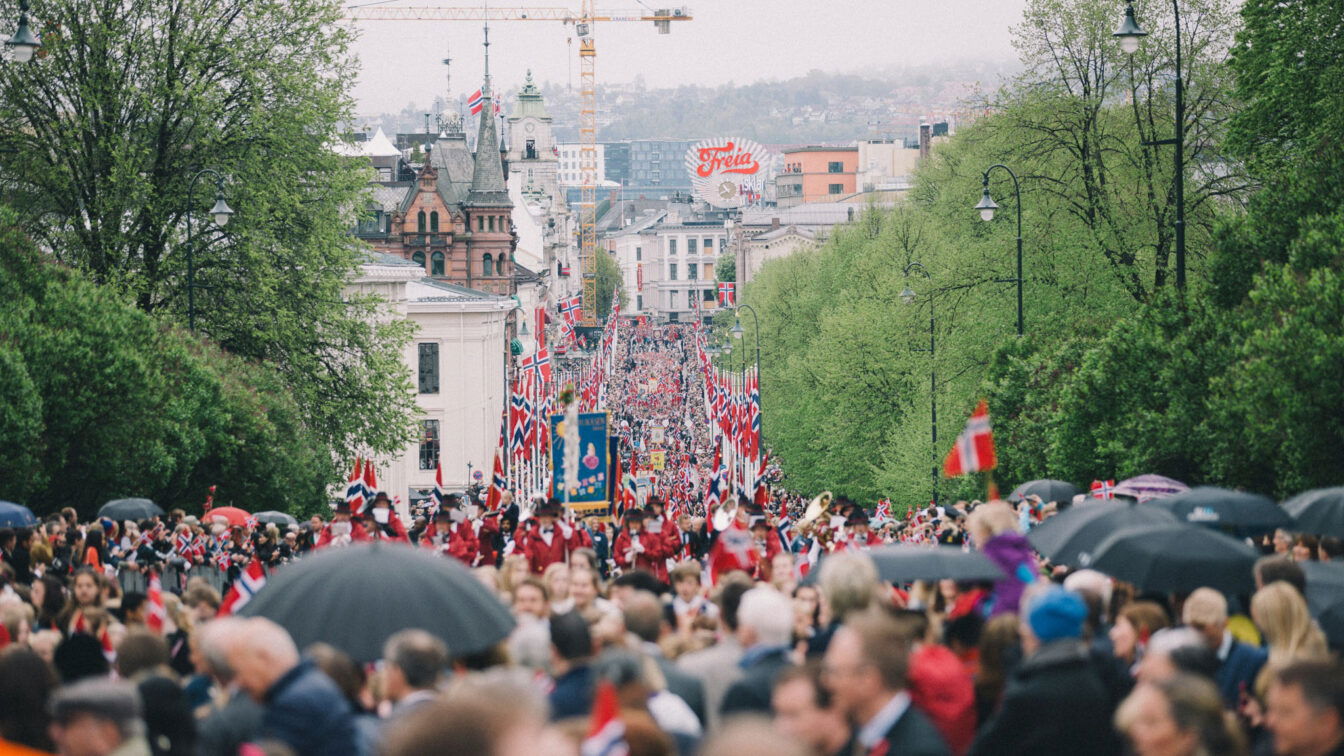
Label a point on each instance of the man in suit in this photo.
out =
(1238, 664)
(806, 712)
(865, 670)
(765, 630)
(413, 661)
(693, 543)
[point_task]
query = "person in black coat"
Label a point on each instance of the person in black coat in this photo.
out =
(865, 670)
(1062, 697)
(765, 630)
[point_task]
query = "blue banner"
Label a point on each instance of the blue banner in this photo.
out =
(594, 460)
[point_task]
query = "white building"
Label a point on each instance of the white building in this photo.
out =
(571, 172)
(457, 361)
(667, 260)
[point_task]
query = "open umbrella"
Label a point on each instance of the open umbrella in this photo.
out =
(1048, 490)
(1325, 597)
(902, 563)
(272, 517)
(1320, 511)
(1213, 507)
(16, 515)
(130, 509)
(1174, 557)
(1145, 487)
(233, 515)
(355, 597)
(1070, 536)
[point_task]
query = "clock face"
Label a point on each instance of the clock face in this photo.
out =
(529, 127)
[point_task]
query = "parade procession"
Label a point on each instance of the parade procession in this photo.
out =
(389, 378)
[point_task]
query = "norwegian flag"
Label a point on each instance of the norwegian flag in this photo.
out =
(727, 294)
(606, 733)
(354, 487)
(476, 102)
(884, 510)
(571, 309)
(498, 483)
(974, 449)
(223, 560)
(754, 413)
(184, 543)
(370, 486)
(158, 615)
(542, 364)
(1103, 489)
(567, 335)
(437, 496)
(243, 589)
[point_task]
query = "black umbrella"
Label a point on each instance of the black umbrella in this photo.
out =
(1048, 490)
(1320, 511)
(355, 597)
(273, 517)
(1213, 507)
(1325, 597)
(130, 509)
(16, 515)
(902, 563)
(1070, 536)
(1176, 557)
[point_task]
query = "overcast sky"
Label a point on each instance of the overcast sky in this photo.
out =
(728, 40)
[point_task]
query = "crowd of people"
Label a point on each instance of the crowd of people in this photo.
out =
(696, 631)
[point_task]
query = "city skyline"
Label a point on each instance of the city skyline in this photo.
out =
(738, 41)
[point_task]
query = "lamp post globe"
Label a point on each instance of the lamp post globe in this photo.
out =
(987, 206)
(23, 44)
(908, 295)
(221, 212)
(1129, 33)
(737, 329)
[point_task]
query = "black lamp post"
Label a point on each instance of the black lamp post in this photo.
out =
(1129, 35)
(23, 44)
(908, 296)
(737, 332)
(987, 207)
(220, 213)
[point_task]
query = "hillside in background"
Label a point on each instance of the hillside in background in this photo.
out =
(818, 107)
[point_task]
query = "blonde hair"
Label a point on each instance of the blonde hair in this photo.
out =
(506, 584)
(992, 518)
(1281, 614)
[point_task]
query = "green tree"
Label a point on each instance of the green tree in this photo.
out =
(608, 283)
(110, 125)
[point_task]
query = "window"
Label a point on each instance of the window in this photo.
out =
(709, 245)
(434, 221)
(419, 259)
(639, 254)
(420, 221)
(530, 151)
(671, 300)
(480, 223)
(707, 295)
(436, 264)
(709, 271)
(429, 445)
(835, 189)
(639, 301)
(690, 246)
(671, 246)
(835, 166)
(491, 223)
(691, 272)
(429, 367)
(488, 265)
(671, 271)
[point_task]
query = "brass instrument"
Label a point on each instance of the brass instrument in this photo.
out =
(818, 508)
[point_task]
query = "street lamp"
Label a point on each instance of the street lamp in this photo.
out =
(220, 213)
(908, 296)
(1129, 35)
(987, 207)
(23, 44)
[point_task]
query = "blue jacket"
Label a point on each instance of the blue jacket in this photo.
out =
(1238, 671)
(572, 695)
(306, 711)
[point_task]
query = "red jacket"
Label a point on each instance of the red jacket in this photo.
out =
(850, 544)
(734, 549)
(357, 535)
(540, 554)
(463, 543)
(941, 687)
(486, 553)
(653, 559)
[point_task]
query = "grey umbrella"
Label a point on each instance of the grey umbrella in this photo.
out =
(1325, 597)
(355, 597)
(273, 517)
(902, 563)
(1070, 536)
(1213, 507)
(1048, 490)
(1320, 511)
(130, 509)
(1174, 557)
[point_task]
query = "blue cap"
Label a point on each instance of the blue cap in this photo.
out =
(1057, 614)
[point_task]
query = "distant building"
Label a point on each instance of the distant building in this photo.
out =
(817, 174)
(571, 173)
(667, 258)
(887, 164)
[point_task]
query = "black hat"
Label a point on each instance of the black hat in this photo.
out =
(655, 501)
(343, 508)
(549, 509)
(634, 515)
(857, 517)
(444, 513)
(381, 496)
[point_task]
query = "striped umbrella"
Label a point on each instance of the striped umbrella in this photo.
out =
(1145, 487)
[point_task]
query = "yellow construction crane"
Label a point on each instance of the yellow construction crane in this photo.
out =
(583, 21)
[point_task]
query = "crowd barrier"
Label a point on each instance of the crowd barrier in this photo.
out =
(174, 578)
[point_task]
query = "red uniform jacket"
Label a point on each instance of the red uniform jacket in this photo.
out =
(734, 549)
(541, 554)
(850, 543)
(653, 559)
(487, 554)
(357, 535)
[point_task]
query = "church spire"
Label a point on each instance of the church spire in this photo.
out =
(487, 178)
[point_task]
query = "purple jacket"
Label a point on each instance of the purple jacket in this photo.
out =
(1013, 554)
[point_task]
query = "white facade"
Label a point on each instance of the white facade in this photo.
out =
(667, 264)
(467, 330)
(571, 173)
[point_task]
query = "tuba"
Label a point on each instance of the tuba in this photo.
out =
(724, 515)
(819, 507)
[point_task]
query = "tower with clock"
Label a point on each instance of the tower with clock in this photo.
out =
(533, 162)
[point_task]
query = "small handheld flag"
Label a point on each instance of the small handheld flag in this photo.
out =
(974, 449)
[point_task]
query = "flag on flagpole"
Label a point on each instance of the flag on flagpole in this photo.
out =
(498, 483)
(157, 615)
(571, 309)
(354, 487)
(476, 102)
(974, 448)
(727, 294)
(437, 495)
(243, 589)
